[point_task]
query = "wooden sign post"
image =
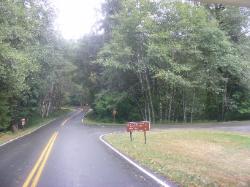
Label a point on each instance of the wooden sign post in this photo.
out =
(114, 113)
(138, 126)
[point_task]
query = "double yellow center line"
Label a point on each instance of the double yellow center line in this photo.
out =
(35, 174)
(70, 118)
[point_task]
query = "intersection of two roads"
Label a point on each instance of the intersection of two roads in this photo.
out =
(66, 153)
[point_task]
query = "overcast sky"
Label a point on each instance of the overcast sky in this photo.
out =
(76, 17)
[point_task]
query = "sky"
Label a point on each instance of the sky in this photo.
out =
(75, 18)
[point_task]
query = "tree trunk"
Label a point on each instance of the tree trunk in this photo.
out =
(160, 109)
(184, 107)
(192, 107)
(42, 109)
(149, 113)
(48, 109)
(224, 101)
(146, 117)
(150, 98)
(170, 104)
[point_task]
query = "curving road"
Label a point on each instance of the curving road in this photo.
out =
(74, 157)
(66, 153)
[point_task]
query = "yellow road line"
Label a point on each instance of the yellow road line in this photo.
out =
(33, 171)
(65, 121)
(31, 174)
(40, 170)
(40, 163)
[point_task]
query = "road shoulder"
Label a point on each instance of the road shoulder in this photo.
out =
(140, 168)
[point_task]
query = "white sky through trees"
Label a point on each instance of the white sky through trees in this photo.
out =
(76, 17)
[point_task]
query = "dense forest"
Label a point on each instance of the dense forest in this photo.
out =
(149, 60)
(167, 61)
(33, 66)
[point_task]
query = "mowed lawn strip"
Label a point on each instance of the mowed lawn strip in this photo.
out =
(191, 157)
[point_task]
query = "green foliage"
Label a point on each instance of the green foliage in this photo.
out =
(33, 68)
(175, 61)
(106, 102)
(4, 117)
(151, 60)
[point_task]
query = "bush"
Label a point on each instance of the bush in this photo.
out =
(4, 113)
(106, 102)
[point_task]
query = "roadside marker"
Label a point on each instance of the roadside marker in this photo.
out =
(30, 131)
(27, 133)
(152, 176)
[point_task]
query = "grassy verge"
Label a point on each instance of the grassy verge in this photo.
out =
(88, 121)
(34, 122)
(91, 121)
(191, 157)
(203, 122)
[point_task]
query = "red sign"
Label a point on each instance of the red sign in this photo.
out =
(138, 126)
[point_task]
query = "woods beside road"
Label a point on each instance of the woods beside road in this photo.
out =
(181, 155)
(158, 61)
(33, 64)
(34, 123)
(166, 62)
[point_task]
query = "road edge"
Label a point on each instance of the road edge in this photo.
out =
(11, 140)
(34, 130)
(151, 175)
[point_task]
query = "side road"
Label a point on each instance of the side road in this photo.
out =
(74, 157)
(67, 153)
(237, 126)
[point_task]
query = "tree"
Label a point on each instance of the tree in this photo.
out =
(32, 64)
(179, 54)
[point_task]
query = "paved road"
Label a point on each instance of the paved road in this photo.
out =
(233, 126)
(77, 158)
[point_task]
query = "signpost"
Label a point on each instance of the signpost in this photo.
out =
(138, 126)
(114, 113)
(23, 122)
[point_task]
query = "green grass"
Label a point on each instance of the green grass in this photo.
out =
(36, 119)
(34, 122)
(202, 122)
(88, 121)
(191, 157)
(106, 122)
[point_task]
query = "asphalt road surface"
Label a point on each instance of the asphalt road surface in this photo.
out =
(233, 126)
(73, 156)
(66, 153)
